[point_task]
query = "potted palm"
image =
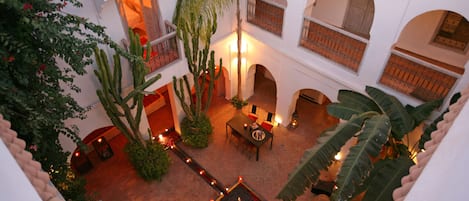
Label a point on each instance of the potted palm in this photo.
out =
(379, 159)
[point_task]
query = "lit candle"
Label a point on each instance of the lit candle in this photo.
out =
(245, 126)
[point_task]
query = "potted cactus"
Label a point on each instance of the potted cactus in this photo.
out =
(149, 158)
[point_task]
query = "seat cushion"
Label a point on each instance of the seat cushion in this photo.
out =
(267, 125)
(252, 116)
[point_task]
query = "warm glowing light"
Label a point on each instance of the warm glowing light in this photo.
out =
(221, 193)
(422, 150)
(213, 182)
(234, 47)
(153, 138)
(77, 154)
(278, 120)
(226, 189)
(188, 160)
(243, 61)
(172, 146)
(338, 156)
(201, 172)
(100, 140)
(166, 130)
(160, 136)
(240, 178)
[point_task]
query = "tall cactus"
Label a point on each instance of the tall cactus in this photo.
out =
(124, 111)
(200, 65)
(196, 22)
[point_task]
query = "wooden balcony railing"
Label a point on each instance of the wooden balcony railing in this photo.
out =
(417, 78)
(333, 43)
(164, 50)
(266, 16)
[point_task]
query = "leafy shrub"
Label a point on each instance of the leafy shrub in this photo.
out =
(151, 162)
(238, 103)
(196, 133)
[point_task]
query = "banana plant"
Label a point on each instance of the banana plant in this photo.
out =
(379, 159)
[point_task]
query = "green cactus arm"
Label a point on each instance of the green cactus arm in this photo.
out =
(140, 89)
(181, 97)
(213, 78)
(117, 77)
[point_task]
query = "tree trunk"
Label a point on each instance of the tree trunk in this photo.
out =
(238, 32)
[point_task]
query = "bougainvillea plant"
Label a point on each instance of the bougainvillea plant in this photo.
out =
(34, 88)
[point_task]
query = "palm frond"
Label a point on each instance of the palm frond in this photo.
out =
(205, 10)
(385, 177)
(357, 165)
(402, 122)
(342, 111)
(350, 103)
(423, 111)
(320, 156)
(355, 99)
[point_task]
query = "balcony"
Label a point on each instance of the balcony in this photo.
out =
(419, 77)
(266, 16)
(164, 49)
(333, 43)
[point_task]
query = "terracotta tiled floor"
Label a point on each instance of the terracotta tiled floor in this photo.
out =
(115, 180)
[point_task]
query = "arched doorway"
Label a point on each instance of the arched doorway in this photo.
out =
(310, 112)
(97, 149)
(262, 84)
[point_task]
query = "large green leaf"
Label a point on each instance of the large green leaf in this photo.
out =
(401, 121)
(385, 177)
(342, 111)
(320, 156)
(357, 165)
(350, 103)
(423, 111)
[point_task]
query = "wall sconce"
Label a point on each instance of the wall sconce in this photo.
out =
(278, 120)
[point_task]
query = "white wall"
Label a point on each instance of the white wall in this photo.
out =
(15, 185)
(167, 9)
(445, 175)
(330, 11)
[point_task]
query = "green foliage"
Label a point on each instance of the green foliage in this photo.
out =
(196, 133)
(34, 88)
(379, 121)
(390, 170)
(238, 103)
(119, 108)
(319, 157)
(196, 22)
(151, 161)
(358, 163)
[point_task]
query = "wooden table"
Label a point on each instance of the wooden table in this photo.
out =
(237, 124)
